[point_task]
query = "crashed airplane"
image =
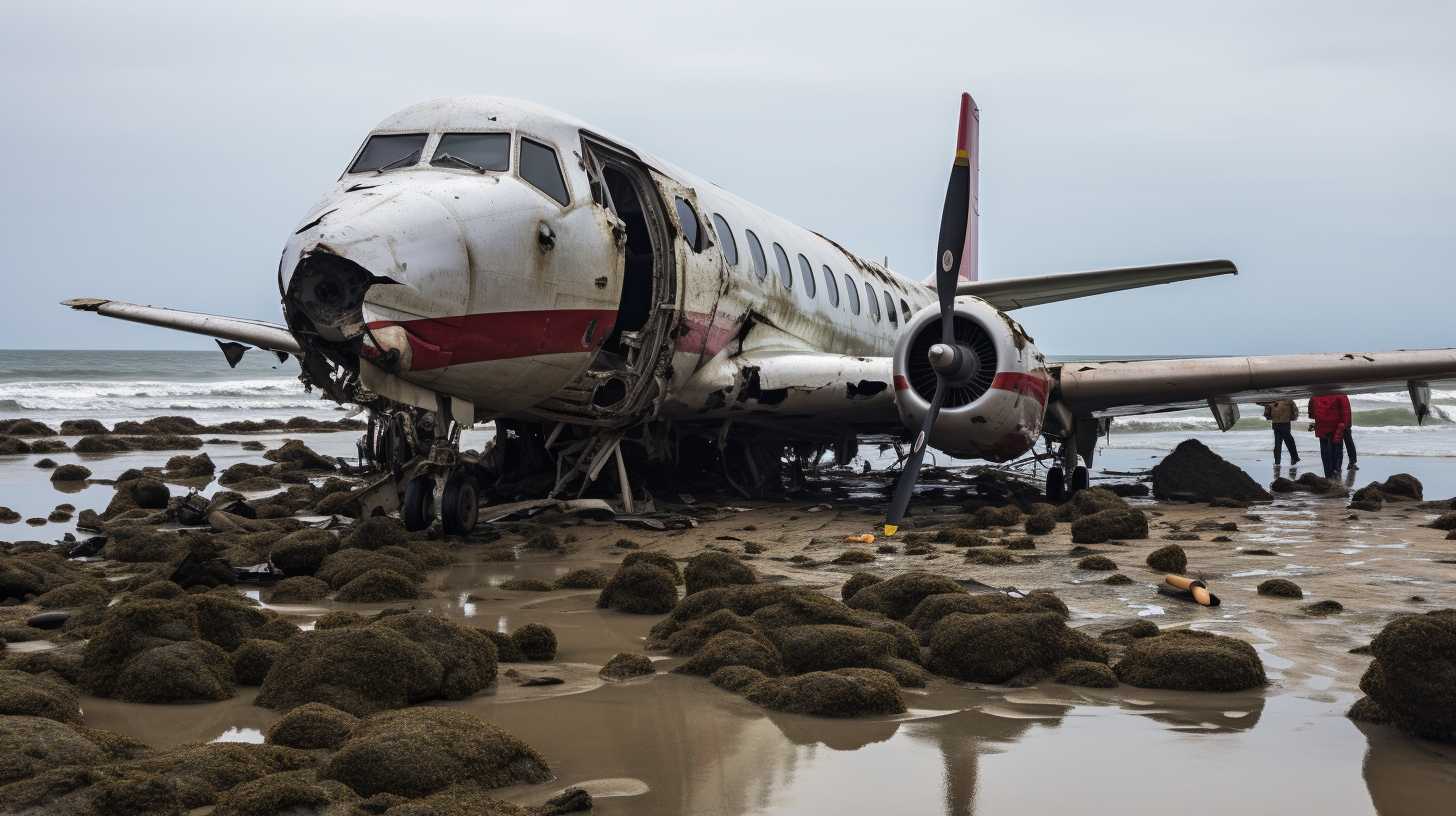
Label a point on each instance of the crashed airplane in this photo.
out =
(486, 259)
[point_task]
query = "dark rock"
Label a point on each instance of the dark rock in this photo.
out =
(661, 560)
(25, 427)
(45, 464)
(299, 590)
(298, 455)
(1117, 579)
(996, 647)
(35, 695)
(525, 585)
(312, 725)
(82, 427)
(823, 647)
(375, 533)
(1085, 673)
(1040, 523)
(32, 745)
(536, 642)
(466, 655)
(1129, 490)
(1366, 709)
(838, 693)
(252, 660)
(716, 569)
(419, 751)
(377, 585)
(582, 579)
(625, 665)
(897, 597)
(1403, 486)
(1192, 472)
(187, 671)
(359, 669)
(70, 473)
(641, 589)
(1110, 525)
(1411, 676)
(853, 557)
(1097, 562)
(190, 467)
(302, 552)
(732, 648)
(1186, 660)
(1170, 558)
(1322, 609)
(1280, 588)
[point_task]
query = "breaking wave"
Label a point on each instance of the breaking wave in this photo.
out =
(1372, 418)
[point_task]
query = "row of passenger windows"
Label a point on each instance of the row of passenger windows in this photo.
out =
(692, 234)
(481, 152)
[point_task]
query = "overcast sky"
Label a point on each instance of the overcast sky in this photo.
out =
(162, 152)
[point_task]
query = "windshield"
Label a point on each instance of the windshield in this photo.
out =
(387, 151)
(476, 151)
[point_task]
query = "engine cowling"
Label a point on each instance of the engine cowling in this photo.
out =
(996, 404)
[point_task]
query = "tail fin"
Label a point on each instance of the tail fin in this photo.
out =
(968, 143)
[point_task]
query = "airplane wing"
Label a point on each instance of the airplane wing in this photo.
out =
(1148, 386)
(268, 336)
(1018, 293)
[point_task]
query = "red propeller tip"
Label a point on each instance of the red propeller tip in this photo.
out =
(963, 131)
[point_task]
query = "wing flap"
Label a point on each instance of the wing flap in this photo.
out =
(1145, 386)
(1019, 293)
(241, 330)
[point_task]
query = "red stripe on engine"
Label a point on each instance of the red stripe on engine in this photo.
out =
(1030, 384)
(901, 384)
(444, 341)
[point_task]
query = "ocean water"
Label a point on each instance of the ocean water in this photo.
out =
(52, 386)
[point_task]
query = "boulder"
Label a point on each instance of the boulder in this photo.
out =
(535, 641)
(289, 792)
(183, 466)
(299, 590)
(35, 695)
(1402, 486)
(822, 647)
(626, 665)
(375, 533)
(582, 579)
(129, 628)
(82, 427)
(201, 773)
(419, 751)
(1169, 558)
(344, 566)
(1412, 678)
(302, 552)
(378, 585)
(1320, 609)
(1110, 525)
(715, 569)
(225, 618)
(1192, 472)
(187, 671)
(31, 745)
(641, 589)
(732, 648)
(13, 446)
(466, 655)
(73, 595)
(1085, 673)
(312, 725)
(70, 473)
(1100, 563)
(838, 693)
(999, 647)
(525, 585)
(252, 660)
(935, 607)
(299, 456)
(358, 669)
(856, 582)
(1040, 523)
(1280, 588)
(897, 597)
(1186, 660)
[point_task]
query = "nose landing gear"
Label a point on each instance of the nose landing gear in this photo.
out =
(427, 478)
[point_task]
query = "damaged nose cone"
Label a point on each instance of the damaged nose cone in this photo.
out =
(327, 292)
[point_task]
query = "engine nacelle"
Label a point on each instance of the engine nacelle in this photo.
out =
(994, 409)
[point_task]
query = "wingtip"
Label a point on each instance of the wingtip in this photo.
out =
(85, 304)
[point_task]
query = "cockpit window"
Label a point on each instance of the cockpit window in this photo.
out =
(541, 170)
(386, 151)
(480, 152)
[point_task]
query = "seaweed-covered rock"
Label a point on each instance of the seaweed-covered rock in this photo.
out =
(70, 473)
(183, 466)
(1320, 609)
(1186, 660)
(344, 566)
(302, 552)
(1110, 525)
(854, 557)
(935, 607)
(822, 647)
(731, 648)
(13, 446)
(839, 693)
(1280, 588)
(74, 594)
(897, 597)
(188, 671)
(641, 589)
(374, 533)
(1093, 500)
(506, 650)
(1402, 486)
(293, 792)
(252, 660)
(1412, 678)
(582, 579)
(656, 558)
(1192, 472)
(297, 455)
(419, 751)
(716, 569)
(82, 427)
(626, 665)
(38, 696)
(526, 585)
(129, 628)
(1085, 673)
(1140, 628)
(200, 773)
(990, 558)
(1040, 523)
(997, 647)
(298, 590)
(30, 745)
(536, 641)
(359, 669)
(466, 655)
(378, 585)
(1100, 563)
(1366, 709)
(225, 619)
(312, 725)
(856, 582)
(1169, 558)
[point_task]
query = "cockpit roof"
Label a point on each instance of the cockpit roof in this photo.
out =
(483, 113)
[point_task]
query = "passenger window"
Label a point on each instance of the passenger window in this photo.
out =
(853, 292)
(873, 301)
(890, 310)
(760, 263)
(905, 310)
(725, 239)
(541, 170)
(480, 152)
(786, 272)
(691, 230)
(830, 287)
(806, 274)
(387, 151)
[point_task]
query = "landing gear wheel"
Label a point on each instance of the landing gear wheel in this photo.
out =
(1080, 479)
(1056, 485)
(461, 504)
(418, 509)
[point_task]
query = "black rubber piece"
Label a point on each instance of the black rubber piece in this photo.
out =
(419, 503)
(1080, 479)
(461, 504)
(1056, 485)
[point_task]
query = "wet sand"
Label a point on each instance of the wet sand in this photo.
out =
(674, 744)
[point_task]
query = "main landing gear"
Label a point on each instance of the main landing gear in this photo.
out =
(1059, 487)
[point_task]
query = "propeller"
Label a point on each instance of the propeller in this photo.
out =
(946, 357)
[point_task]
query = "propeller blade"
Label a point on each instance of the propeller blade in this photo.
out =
(906, 485)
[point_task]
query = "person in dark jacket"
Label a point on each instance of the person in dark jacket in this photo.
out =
(1331, 415)
(1350, 435)
(1281, 413)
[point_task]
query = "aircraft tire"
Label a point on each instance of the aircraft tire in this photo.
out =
(461, 504)
(418, 509)
(1056, 485)
(1080, 479)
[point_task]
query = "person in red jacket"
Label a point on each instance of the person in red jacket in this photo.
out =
(1331, 415)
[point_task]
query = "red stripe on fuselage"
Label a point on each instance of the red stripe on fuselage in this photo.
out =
(705, 334)
(1032, 384)
(444, 341)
